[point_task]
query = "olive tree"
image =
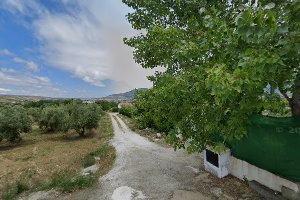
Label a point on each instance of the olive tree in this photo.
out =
(228, 59)
(84, 117)
(54, 118)
(13, 121)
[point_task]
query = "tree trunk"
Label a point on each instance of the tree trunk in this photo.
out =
(81, 133)
(295, 100)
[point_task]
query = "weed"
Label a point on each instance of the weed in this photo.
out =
(21, 187)
(66, 181)
(9, 194)
(103, 150)
(88, 160)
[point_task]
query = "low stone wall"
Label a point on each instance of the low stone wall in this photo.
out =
(242, 169)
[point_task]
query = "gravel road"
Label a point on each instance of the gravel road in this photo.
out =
(146, 170)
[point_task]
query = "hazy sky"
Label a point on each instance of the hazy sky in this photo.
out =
(66, 48)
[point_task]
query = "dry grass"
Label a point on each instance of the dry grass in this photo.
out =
(40, 156)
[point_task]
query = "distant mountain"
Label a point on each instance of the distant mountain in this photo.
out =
(123, 97)
(20, 98)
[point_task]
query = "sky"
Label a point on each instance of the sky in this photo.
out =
(67, 48)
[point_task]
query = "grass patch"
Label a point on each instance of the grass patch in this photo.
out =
(11, 192)
(88, 160)
(103, 151)
(68, 181)
(22, 187)
(42, 157)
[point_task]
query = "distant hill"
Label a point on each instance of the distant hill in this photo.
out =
(123, 97)
(20, 98)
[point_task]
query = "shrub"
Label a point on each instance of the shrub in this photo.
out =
(34, 114)
(127, 110)
(115, 109)
(13, 121)
(107, 105)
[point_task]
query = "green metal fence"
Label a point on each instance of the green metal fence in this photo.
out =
(272, 144)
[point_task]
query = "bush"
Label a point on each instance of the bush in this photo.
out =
(34, 114)
(127, 110)
(13, 121)
(115, 109)
(107, 105)
(54, 118)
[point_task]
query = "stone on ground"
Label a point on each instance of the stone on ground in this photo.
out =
(89, 170)
(127, 193)
(216, 191)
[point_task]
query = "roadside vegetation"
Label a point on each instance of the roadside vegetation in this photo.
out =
(224, 62)
(150, 133)
(44, 145)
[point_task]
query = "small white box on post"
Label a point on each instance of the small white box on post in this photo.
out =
(217, 163)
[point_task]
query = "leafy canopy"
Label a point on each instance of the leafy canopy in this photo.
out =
(13, 121)
(84, 117)
(224, 61)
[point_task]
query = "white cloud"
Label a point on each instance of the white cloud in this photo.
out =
(24, 80)
(28, 84)
(8, 70)
(29, 64)
(4, 90)
(32, 66)
(5, 52)
(74, 45)
(28, 7)
(86, 42)
(89, 44)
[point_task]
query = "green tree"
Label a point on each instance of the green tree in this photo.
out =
(54, 118)
(107, 105)
(34, 113)
(84, 117)
(13, 121)
(127, 109)
(225, 59)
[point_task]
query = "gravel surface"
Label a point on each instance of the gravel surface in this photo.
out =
(145, 170)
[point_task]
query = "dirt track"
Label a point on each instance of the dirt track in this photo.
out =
(145, 170)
